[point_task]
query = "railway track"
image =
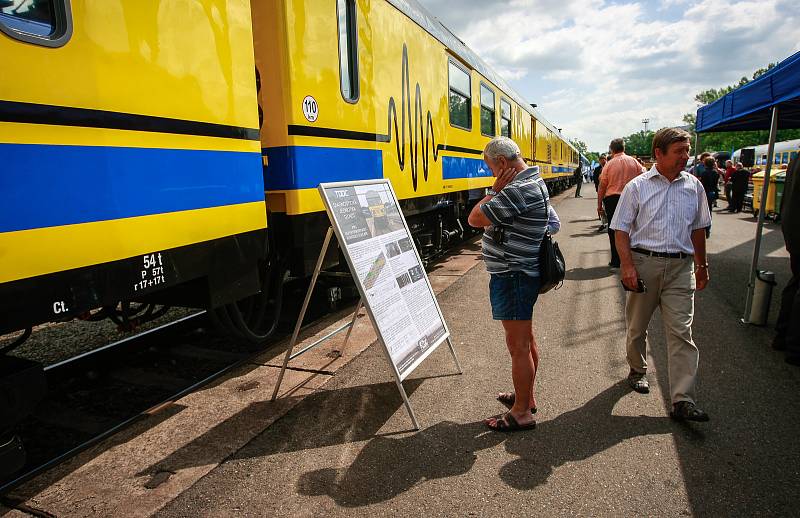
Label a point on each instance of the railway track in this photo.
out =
(94, 395)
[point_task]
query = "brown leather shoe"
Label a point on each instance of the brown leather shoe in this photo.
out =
(687, 411)
(638, 382)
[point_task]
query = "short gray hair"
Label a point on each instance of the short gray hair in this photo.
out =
(502, 146)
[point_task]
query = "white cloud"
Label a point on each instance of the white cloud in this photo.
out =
(597, 68)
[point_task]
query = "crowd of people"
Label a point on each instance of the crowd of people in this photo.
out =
(734, 181)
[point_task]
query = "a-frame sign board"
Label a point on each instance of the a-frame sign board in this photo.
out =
(388, 271)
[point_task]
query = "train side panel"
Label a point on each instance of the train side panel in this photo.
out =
(136, 137)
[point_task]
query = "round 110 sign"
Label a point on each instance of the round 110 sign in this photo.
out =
(310, 108)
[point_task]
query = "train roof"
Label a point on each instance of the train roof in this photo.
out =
(431, 24)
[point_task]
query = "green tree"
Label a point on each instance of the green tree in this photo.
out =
(732, 140)
(639, 143)
(580, 146)
(593, 156)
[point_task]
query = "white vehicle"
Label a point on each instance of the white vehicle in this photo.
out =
(784, 152)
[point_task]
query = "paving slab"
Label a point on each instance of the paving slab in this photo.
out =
(7, 512)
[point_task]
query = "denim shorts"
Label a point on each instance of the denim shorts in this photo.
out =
(513, 295)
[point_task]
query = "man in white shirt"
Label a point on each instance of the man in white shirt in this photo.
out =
(660, 226)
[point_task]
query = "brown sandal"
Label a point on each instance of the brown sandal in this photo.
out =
(508, 398)
(507, 423)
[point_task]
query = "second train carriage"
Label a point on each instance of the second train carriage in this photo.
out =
(145, 147)
(370, 89)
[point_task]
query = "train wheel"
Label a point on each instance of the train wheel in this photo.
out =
(254, 319)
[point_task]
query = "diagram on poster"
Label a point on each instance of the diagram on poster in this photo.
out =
(377, 243)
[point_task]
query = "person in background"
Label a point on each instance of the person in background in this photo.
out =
(578, 176)
(596, 179)
(710, 181)
(597, 171)
(787, 328)
(739, 180)
(515, 216)
(699, 165)
(729, 170)
(619, 170)
(656, 247)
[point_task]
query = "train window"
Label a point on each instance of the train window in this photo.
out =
(460, 97)
(505, 118)
(487, 111)
(793, 156)
(42, 22)
(348, 49)
(785, 158)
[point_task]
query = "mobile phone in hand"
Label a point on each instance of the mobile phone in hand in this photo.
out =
(640, 286)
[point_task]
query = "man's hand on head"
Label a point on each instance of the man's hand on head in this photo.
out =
(504, 178)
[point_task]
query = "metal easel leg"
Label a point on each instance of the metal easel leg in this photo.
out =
(455, 358)
(407, 403)
(297, 326)
(352, 323)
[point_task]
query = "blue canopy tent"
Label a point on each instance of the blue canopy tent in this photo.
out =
(771, 101)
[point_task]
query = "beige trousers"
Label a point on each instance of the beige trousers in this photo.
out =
(670, 286)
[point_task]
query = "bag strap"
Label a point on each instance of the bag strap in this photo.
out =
(546, 200)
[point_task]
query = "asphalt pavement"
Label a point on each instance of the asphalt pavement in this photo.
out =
(599, 449)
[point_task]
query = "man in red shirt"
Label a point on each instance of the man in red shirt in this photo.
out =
(729, 170)
(619, 170)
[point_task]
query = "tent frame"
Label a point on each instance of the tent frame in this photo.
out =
(751, 283)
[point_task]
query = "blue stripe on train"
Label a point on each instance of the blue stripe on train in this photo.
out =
(305, 167)
(49, 185)
(458, 167)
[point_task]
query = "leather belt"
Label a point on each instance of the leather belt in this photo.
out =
(668, 255)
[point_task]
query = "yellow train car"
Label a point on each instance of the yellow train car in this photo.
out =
(381, 89)
(131, 158)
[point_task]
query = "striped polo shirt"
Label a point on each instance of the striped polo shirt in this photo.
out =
(521, 208)
(660, 215)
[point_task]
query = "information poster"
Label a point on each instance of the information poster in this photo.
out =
(377, 243)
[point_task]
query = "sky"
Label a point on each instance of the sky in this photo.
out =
(597, 68)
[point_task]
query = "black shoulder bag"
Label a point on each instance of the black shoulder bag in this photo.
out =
(551, 262)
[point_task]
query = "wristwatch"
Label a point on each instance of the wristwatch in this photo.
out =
(491, 192)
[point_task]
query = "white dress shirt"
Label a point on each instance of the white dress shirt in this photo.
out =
(660, 215)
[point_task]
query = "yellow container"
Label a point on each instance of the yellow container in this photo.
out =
(758, 185)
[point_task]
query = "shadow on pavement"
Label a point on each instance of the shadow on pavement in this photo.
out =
(587, 274)
(387, 467)
(449, 449)
(352, 414)
(589, 233)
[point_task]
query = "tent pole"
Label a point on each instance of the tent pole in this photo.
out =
(751, 283)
